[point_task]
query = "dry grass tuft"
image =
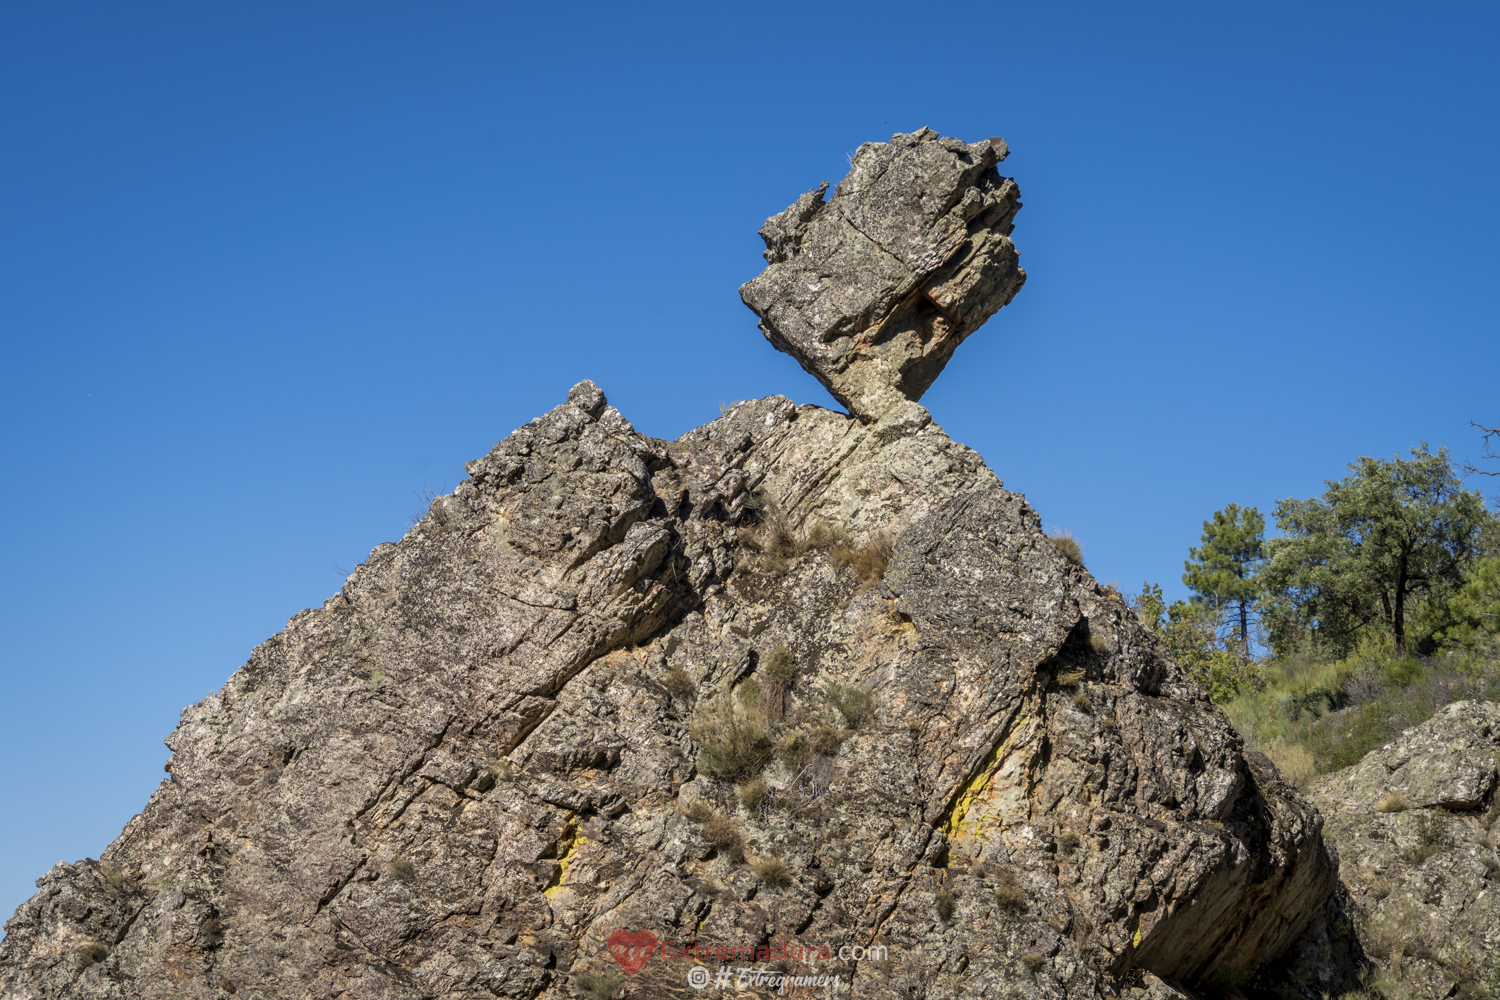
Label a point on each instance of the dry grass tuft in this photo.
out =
(1391, 802)
(698, 811)
(1295, 762)
(1068, 546)
(679, 684)
(1009, 895)
(825, 740)
(732, 733)
(944, 902)
(868, 561)
(602, 987)
(752, 793)
(721, 832)
(772, 870)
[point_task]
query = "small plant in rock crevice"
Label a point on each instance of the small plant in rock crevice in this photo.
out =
(772, 870)
(603, 987)
(721, 832)
(736, 745)
(1067, 545)
(855, 704)
(868, 561)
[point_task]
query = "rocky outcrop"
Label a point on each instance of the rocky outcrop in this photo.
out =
(1417, 827)
(872, 291)
(795, 678)
(465, 771)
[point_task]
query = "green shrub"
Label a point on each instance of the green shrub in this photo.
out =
(855, 704)
(1432, 836)
(1401, 673)
(735, 743)
(781, 666)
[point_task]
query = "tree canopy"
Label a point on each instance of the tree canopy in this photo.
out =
(1357, 556)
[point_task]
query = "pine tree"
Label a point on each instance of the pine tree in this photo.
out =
(1224, 572)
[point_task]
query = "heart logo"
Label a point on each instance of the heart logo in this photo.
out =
(631, 949)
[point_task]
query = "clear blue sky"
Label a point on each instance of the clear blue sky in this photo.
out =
(267, 270)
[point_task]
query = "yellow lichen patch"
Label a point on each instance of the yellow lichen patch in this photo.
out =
(954, 822)
(567, 846)
(997, 794)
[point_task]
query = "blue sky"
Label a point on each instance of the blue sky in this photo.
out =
(266, 271)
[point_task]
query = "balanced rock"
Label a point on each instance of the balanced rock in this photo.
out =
(872, 291)
(794, 679)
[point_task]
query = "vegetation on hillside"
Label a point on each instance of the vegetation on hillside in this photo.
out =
(1376, 604)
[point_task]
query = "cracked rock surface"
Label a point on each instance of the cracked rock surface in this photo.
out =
(873, 290)
(1417, 827)
(496, 746)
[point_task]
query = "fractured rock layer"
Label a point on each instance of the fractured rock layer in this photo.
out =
(464, 772)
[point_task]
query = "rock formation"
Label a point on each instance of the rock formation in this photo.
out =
(1417, 826)
(872, 292)
(794, 677)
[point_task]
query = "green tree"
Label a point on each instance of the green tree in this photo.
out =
(1224, 572)
(1357, 557)
(1189, 630)
(1475, 608)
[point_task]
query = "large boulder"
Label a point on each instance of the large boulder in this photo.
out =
(1417, 828)
(791, 678)
(873, 290)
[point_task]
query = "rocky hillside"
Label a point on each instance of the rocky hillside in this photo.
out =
(795, 678)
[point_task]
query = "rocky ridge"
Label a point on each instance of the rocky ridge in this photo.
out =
(796, 676)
